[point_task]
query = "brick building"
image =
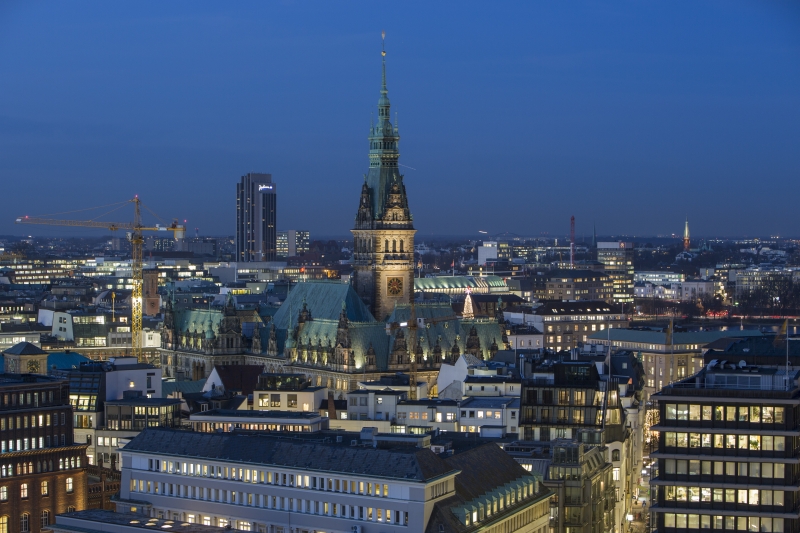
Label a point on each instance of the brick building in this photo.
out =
(42, 471)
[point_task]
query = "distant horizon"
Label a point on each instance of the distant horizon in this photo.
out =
(578, 238)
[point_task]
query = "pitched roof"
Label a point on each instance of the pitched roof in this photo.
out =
(447, 331)
(476, 481)
(24, 348)
(168, 387)
(324, 299)
(198, 320)
(242, 378)
(458, 282)
(754, 347)
(404, 463)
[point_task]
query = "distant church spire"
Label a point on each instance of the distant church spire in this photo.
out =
(594, 235)
(686, 235)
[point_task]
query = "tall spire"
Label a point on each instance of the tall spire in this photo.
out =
(686, 235)
(383, 102)
(383, 147)
(594, 235)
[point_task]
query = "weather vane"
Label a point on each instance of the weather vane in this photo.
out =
(383, 43)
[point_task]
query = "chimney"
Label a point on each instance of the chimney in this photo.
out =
(331, 406)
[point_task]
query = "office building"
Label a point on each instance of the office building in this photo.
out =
(256, 218)
(617, 258)
(565, 325)
(125, 418)
(42, 471)
(728, 451)
(582, 478)
(666, 358)
(92, 384)
(261, 482)
(569, 285)
(293, 242)
(560, 400)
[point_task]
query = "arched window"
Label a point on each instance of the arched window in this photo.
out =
(386, 245)
(45, 518)
(25, 523)
(3, 524)
(70, 509)
(394, 246)
(615, 455)
(401, 246)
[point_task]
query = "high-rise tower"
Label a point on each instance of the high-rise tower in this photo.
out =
(383, 237)
(686, 236)
(256, 217)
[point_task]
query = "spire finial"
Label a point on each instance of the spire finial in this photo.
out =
(383, 55)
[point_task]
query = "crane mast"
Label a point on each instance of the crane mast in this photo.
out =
(135, 235)
(137, 245)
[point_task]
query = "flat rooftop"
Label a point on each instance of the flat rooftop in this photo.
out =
(239, 413)
(109, 521)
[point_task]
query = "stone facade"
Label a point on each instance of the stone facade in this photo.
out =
(194, 340)
(383, 237)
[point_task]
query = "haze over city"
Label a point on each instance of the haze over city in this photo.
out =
(630, 115)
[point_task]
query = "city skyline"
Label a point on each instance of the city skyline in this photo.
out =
(672, 126)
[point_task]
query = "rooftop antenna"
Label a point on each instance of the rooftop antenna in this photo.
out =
(572, 242)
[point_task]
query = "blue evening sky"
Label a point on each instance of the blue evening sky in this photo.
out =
(514, 116)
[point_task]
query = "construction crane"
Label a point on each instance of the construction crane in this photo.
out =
(412, 325)
(134, 234)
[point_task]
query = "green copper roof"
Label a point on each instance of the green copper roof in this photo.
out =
(324, 300)
(447, 332)
(383, 153)
(362, 335)
(198, 320)
(458, 282)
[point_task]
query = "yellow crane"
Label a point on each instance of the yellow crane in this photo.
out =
(134, 234)
(412, 325)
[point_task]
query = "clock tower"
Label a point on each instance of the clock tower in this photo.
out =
(383, 237)
(25, 358)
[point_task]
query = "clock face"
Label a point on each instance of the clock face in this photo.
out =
(33, 366)
(395, 286)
